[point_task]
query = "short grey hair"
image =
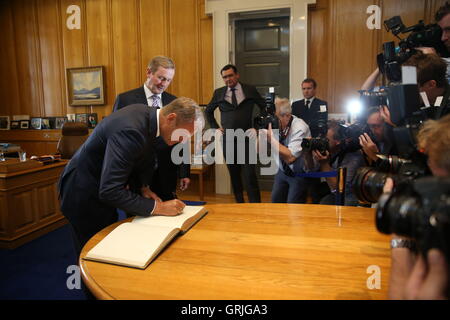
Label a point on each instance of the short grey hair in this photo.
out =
(186, 109)
(283, 106)
(160, 61)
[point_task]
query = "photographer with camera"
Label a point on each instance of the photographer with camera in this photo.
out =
(338, 154)
(424, 275)
(376, 141)
(288, 188)
(431, 79)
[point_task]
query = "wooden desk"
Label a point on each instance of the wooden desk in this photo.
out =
(29, 205)
(256, 251)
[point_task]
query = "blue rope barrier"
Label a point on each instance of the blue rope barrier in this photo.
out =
(329, 174)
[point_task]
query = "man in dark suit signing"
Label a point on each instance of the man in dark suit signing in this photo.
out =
(236, 102)
(160, 73)
(113, 168)
(311, 110)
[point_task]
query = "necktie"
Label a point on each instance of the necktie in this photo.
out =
(307, 104)
(233, 97)
(155, 102)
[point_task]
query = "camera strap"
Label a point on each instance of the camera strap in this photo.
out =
(285, 132)
(283, 136)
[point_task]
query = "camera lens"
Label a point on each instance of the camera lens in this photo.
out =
(368, 184)
(398, 214)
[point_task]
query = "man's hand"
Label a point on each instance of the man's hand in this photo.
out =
(184, 183)
(413, 277)
(168, 208)
(428, 279)
(149, 194)
(369, 147)
(388, 185)
(386, 115)
(252, 133)
(427, 50)
(319, 157)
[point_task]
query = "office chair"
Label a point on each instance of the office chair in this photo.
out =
(73, 135)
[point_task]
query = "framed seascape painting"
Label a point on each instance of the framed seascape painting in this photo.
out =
(85, 86)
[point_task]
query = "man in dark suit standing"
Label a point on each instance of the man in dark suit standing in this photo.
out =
(311, 109)
(236, 102)
(315, 113)
(113, 168)
(160, 73)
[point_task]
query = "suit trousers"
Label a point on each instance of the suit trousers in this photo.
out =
(288, 189)
(241, 170)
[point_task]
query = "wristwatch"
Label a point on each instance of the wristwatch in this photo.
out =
(403, 243)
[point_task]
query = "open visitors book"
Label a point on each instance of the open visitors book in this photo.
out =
(137, 243)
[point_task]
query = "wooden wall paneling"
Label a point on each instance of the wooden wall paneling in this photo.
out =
(154, 35)
(125, 38)
(99, 49)
(73, 46)
(28, 59)
(318, 49)
(184, 27)
(206, 55)
(9, 83)
(355, 49)
(51, 56)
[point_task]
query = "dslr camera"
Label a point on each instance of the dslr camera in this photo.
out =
(419, 210)
(320, 144)
(268, 116)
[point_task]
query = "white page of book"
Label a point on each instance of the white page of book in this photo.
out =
(176, 221)
(130, 244)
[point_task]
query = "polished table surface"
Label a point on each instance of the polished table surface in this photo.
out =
(257, 252)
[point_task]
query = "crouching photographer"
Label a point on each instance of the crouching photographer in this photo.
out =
(340, 148)
(288, 188)
(417, 214)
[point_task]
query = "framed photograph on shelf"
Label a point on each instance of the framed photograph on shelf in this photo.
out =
(59, 122)
(81, 117)
(92, 120)
(15, 125)
(71, 117)
(85, 86)
(24, 124)
(45, 123)
(4, 123)
(36, 123)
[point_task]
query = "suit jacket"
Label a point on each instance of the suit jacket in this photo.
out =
(310, 115)
(138, 96)
(231, 117)
(165, 178)
(93, 184)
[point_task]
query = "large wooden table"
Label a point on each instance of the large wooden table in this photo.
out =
(257, 251)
